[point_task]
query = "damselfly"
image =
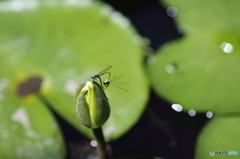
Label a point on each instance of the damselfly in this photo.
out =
(97, 76)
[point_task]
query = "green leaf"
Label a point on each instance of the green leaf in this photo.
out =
(66, 43)
(205, 16)
(27, 129)
(200, 71)
(220, 134)
(196, 73)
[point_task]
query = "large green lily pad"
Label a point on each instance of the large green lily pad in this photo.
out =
(200, 71)
(27, 128)
(220, 134)
(65, 42)
(196, 73)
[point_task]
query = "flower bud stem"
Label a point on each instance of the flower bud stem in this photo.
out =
(101, 144)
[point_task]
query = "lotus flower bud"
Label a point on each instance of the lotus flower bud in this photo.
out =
(92, 105)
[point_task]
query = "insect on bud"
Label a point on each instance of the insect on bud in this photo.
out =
(92, 105)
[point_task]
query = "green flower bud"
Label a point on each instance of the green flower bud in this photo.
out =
(92, 105)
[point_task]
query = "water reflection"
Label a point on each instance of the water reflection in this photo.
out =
(227, 47)
(177, 107)
(170, 68)
(70, 86)
(93, 143)
(209, 114)
(172, 11)
(118, 18)
(106, 9)
(192, 112)
(21, 5)
(78, 2)
(17, 5)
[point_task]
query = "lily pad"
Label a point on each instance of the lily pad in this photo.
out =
(198, 73)
(66, 42)
(204, 16)
(27, 128)
(220, 134)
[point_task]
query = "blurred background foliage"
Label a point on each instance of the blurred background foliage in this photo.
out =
(48, 47)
